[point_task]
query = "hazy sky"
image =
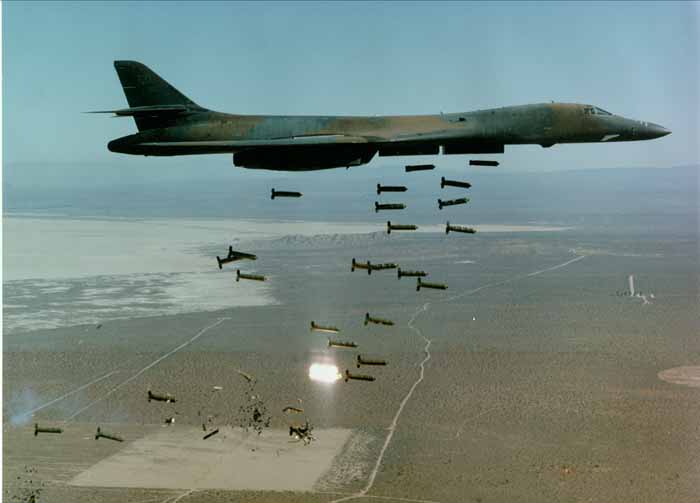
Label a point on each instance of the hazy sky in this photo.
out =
(639, 60)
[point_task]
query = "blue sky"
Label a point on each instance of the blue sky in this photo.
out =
(639, 60)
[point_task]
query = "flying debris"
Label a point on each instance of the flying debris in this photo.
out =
(453, 183)
(459, 228)
(341, 344)
(284, 193)
(233, 256)
(321, 328)
(483, 163)
(38, 429)
(419, 167)
(411, 274)
(109, 436)
(161, 398)
(302, 433)
(388, 206)
(357, 377)
(293, 409)
(360, 265)
(210, 434)
(399, 227)
(452, 202)
(254, 277)
(245, 375)
(254, 414)
(381, 267)
(377, 321)
(390, 188)
(425, 284)
(368, 361)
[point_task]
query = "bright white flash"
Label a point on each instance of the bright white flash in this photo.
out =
(323, 372)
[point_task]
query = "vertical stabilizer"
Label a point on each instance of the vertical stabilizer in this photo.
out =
(143, 87)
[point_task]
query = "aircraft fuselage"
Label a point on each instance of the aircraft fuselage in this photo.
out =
(171, 124)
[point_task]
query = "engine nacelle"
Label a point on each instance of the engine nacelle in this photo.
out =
(472, 148)
(306, 158)
(398, 149)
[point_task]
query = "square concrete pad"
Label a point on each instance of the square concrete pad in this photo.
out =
(178, 458)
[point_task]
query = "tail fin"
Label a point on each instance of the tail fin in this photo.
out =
(143, 88)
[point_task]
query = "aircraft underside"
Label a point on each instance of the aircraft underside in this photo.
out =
(326, 157)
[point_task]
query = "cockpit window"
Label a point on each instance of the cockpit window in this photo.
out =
(589, 110)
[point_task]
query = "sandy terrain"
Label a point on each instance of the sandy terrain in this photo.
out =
(527, 380)
(687, 376)
(177, 458)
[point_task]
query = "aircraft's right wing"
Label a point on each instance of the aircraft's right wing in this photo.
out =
(452, 141)
(308, 141)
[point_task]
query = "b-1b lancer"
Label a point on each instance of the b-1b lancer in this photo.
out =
(170, 123)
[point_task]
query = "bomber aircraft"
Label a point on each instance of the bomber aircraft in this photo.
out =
(169, 123)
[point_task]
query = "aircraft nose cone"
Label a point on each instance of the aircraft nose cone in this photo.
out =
(655, 130)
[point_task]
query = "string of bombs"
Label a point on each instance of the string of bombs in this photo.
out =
(369, 266)
(233, 256)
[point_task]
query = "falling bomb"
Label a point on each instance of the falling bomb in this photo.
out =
(284, 193)
(452, 202)
(400, 227)
(253, 277)
(377, 321)
(411, 274)
(425, 284)
(459, 228)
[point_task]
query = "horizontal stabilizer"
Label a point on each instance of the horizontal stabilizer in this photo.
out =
(147, 111)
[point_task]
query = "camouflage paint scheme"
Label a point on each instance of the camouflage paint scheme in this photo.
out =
(169, 123)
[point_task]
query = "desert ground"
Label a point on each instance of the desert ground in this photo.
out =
(531, 378)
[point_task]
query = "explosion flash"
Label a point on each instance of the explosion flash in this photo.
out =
(324, 372)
